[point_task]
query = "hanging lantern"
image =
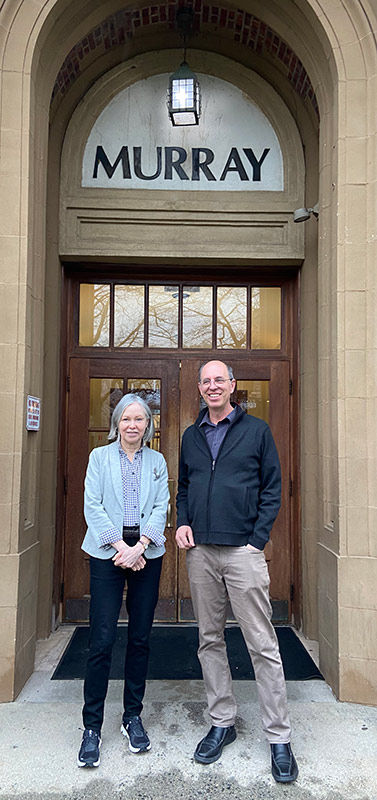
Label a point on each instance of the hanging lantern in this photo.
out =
(184, 100)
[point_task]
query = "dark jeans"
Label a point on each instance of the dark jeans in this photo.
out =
(106, 588)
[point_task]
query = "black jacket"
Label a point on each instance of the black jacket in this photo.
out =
(235, 499)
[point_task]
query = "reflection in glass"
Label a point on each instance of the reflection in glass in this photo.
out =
(104, 394)
(266, 318)
(231, 316)
(254, 398)
(129, 316)
(94, 315)
(150, 390)
(163, 316)
(97, 439)
(197, 316)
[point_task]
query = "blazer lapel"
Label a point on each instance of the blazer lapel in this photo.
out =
(116, 472)
(146, 477)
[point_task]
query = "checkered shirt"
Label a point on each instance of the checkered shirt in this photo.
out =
(131, 477)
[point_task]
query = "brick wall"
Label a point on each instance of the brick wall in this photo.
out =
(240, 26)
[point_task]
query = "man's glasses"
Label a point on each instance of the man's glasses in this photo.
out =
(216, 381)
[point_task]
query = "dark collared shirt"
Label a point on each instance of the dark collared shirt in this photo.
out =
(215, 434)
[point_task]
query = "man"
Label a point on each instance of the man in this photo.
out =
(228, 498)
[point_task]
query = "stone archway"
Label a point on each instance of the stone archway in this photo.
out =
(241, 27)
(337, 47)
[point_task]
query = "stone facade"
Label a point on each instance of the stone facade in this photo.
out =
(321, 59)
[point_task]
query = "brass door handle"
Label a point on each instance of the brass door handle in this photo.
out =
(170, 504)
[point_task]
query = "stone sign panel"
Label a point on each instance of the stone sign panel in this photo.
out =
(134, 145)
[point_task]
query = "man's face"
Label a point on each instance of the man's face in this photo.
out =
(215, 386)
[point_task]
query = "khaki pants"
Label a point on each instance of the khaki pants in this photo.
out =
(216, 573)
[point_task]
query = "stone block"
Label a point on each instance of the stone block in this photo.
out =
(357, 583)
(9, 575)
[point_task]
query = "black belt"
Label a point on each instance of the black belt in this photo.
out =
(131, 532)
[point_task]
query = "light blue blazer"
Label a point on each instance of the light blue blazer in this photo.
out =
(103, 498)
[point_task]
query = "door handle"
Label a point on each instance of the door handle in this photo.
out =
(170, 504)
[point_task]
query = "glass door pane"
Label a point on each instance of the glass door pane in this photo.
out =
(254, 398)
(150, 390)
(231, 316)
(197, 316)
(94, 315)
(129, 316)
(104, 394)
(266, 318)
(163, 316)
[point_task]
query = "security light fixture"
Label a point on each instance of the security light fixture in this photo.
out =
(303, 214)
(184, 100)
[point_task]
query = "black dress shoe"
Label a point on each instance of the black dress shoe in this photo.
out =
(210, 748)
(283, 763)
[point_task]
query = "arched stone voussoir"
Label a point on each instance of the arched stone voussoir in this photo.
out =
(47, 31)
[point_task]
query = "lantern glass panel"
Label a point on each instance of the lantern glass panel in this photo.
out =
(183, 93)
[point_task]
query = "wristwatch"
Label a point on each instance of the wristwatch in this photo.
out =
(144, 545)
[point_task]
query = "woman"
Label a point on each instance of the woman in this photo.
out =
(125, 503)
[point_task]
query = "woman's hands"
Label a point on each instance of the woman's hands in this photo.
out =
(129, 557)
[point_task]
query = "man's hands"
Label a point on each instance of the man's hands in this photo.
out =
(129, 557)
(184, 537)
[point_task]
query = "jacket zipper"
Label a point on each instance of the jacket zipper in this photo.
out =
(209, 495)
(213, 464)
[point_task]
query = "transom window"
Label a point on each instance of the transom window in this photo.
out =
(114, 315)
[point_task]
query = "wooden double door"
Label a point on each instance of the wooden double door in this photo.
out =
(170, 385)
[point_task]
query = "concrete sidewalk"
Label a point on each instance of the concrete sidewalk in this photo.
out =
(335, 744)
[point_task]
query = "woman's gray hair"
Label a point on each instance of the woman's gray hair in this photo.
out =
(124, 402)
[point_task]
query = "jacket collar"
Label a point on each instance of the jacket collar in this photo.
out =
(239, 413)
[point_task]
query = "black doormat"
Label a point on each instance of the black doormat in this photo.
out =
(173, 655)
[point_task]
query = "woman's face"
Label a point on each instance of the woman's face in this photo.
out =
(132, 426)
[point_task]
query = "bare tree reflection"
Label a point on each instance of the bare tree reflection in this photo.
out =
(197, 316)
(231, 316)
(129, 316)
(163, 316)
(104, 395)
(94, 314)
(150, 390)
